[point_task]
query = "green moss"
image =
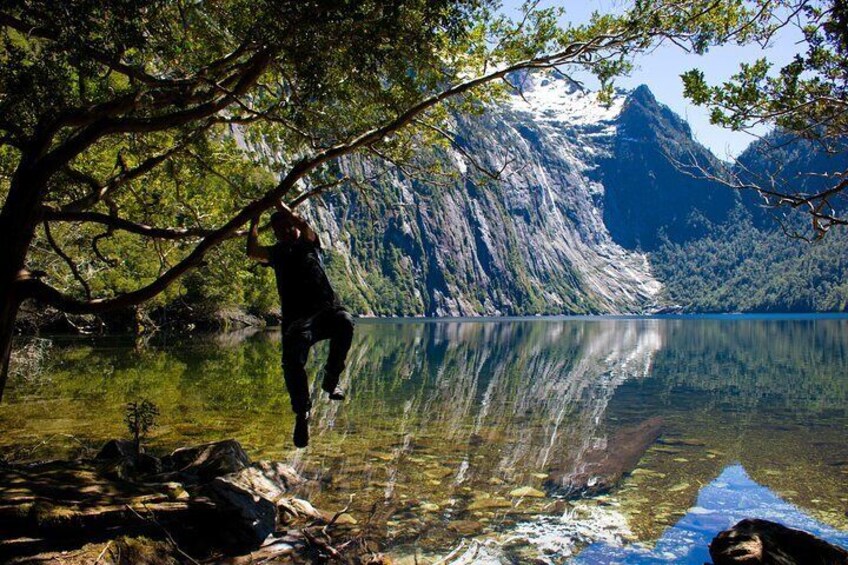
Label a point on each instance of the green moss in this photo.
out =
(142, 551)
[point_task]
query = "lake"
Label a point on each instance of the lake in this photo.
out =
(472, 439)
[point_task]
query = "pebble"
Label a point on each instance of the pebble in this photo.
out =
(527, 492)
(487, 503)
(465, 527)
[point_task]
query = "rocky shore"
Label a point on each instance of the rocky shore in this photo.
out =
(211, 504)
(208, 503)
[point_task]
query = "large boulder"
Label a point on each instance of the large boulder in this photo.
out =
(761, 542)
(202, 463)
(247, 501)
(116, 449)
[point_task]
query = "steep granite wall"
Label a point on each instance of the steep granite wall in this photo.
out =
(534, 242)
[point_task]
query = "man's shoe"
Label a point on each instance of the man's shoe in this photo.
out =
(301, 429)
(337, 393)
(334, 390)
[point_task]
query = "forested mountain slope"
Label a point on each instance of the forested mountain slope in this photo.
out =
(590, 189)
(751, 262)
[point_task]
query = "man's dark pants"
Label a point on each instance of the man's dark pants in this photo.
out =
(333, 323)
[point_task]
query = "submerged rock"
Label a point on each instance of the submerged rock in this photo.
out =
(754, 542)
(486, 503)
(465, 527)
(598, 470)
(526, 492)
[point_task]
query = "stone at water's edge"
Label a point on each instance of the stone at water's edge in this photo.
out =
(599, 470)
(203, 463)
(248, 501)
(250, 517)
(761, 542)
(116, 449)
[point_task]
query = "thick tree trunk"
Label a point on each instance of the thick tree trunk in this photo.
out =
(8, 313)
(18, 219)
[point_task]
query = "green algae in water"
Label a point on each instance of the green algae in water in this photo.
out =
(446, 420)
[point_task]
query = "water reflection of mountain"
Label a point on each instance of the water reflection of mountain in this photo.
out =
(528, 394)
(500, 404)
(456, 416)
(769, 394)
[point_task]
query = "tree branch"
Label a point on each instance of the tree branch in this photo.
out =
(52, 215)
(317, 190)
(80, 141)
(100, 191)
(67, 259)
(451, 138)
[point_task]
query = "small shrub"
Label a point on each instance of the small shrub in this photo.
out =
(140, 418)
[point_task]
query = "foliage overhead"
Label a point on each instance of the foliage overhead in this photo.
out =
(807, 97)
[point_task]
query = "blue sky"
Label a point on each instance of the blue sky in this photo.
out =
(661, 70)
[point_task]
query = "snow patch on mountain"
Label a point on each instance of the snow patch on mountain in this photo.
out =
(555, 99)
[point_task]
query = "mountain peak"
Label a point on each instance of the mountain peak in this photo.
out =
(643, 110)
(643, 94)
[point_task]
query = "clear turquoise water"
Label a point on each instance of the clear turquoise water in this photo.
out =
(447, 419)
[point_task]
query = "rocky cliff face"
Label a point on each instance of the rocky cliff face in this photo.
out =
(537, 241)
(652, 190)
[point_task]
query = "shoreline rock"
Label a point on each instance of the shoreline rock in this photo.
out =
(754, 542)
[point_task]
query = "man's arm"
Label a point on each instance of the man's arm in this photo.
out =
(305, 230)
(254, 250)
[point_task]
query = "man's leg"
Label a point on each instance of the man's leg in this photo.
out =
(297, 339)
(335, 324)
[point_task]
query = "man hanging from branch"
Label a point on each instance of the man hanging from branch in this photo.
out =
(310, 310)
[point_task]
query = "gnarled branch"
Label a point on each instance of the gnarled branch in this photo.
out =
(115, 222)
(67, 259)
(99, 191)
